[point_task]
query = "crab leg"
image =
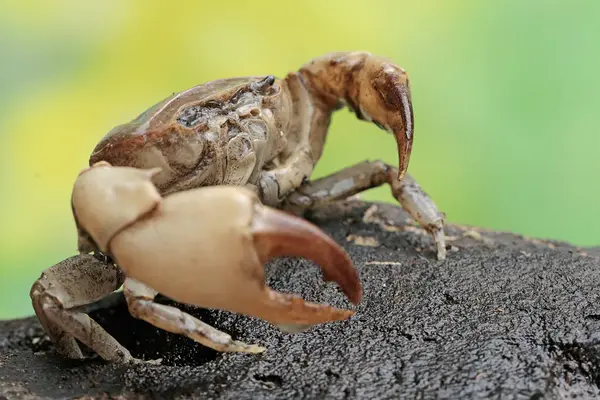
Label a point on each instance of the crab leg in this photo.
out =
(367, 175)
(140, 300)
(375, 88)
(61, 289)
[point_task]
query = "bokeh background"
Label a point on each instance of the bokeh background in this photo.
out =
(506, 97)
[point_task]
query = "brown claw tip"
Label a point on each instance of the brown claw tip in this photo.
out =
(349, 282)
(277, 233)
(293, 309)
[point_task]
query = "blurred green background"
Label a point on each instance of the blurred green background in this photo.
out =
(506, 98)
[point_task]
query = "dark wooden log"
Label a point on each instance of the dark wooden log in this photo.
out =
(503, 317)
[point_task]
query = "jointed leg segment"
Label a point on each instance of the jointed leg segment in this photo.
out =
(368, 175)
(59, 293)
(140, 300)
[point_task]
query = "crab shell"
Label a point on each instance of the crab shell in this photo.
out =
(184, 134)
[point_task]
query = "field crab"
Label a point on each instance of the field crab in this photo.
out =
(225, 166)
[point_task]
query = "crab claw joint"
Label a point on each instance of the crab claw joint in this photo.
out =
(207, 247)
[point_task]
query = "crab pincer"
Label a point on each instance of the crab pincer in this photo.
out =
(205, 247)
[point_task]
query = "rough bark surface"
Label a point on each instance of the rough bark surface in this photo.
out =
(503, 317)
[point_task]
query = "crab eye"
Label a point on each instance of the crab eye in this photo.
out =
(263, 85)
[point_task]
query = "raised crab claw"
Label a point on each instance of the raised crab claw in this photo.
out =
(212, 242)
(228, 159)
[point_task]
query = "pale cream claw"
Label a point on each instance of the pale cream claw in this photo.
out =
(213, 242)
(106, 199)
(223, 236)
(367, 175)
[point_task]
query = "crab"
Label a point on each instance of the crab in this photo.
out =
(123, 214)
(210, 183)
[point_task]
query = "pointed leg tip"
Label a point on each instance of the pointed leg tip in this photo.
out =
(253, 349)
(136, 361)
(236, 346)
(441, 254)
(440, 243)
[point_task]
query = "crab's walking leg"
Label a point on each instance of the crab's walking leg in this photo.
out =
(367, 175)
(61, 290)
(140, 300)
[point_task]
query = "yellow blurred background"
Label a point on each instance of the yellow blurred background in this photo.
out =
(506, 98)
